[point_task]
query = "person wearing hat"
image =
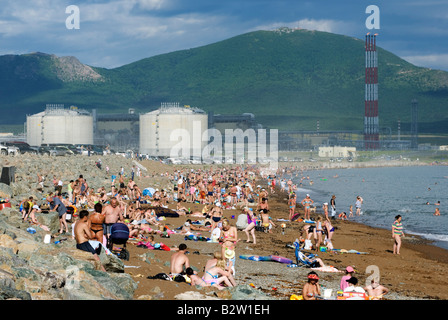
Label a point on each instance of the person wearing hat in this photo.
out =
(353, 287)
(349, 271)
(325, 208)
(229, 256)
(311, 289)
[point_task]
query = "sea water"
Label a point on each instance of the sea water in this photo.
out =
(411, 192)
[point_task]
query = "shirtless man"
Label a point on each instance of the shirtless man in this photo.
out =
(375, 290)
(210, 191)
(179, 260)
(113, 214)
(263, 205)
(311, 289)
(83, 234)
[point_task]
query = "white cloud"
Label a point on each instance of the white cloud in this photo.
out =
(325, 25)
(152, 4)
(434, 61)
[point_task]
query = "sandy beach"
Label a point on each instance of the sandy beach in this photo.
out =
(419, 272)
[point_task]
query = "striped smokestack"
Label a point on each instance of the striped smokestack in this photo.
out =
(371, 124)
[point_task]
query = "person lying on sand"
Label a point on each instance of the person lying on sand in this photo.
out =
(195, 280)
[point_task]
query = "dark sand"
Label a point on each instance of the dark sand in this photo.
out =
(420, 272)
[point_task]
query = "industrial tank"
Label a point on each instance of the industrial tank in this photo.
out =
(173, 131)
(57, 125)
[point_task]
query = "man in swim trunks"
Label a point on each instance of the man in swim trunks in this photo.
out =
(83, 234)
(179, 260)
(113, 214)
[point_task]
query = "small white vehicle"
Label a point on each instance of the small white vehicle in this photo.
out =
(8, 150)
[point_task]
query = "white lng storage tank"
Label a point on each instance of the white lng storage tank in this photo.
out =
(57, 125)
(173, 131)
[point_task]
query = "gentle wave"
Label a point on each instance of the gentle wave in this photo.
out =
(431, 236)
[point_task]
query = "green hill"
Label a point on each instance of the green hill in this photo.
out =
(287, 78)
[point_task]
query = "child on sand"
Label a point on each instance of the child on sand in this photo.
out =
(266, 221)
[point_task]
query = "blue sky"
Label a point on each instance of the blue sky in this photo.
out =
(116, 32)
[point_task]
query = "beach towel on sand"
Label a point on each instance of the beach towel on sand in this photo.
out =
(326, 269)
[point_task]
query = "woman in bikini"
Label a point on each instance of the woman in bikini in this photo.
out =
(228, 238)
(95, 221)
(217, 275)
(306, 203)
(292, 205)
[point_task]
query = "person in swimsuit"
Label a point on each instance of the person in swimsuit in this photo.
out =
(292, 205)
(306, 203)
(375, 291)
(397, 233)
(96, 221)
(216, 275)
(251, 223)
(319, 232)
(195, 280)
(216, 215)
(310, 230)
(311, 289)
(329, 230)
(325, 208)
(266, 221)
(228, 238)
(358, 204)
(83, 234)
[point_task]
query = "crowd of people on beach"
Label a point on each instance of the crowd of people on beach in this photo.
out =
(215, 189)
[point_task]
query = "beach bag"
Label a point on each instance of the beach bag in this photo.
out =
(308, 245)
(241, 222)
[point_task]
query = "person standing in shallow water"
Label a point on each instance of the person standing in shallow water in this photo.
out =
(397, 233)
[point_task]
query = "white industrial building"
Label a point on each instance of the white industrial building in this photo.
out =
(337, 152)
(57, 125)
(173, 131)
